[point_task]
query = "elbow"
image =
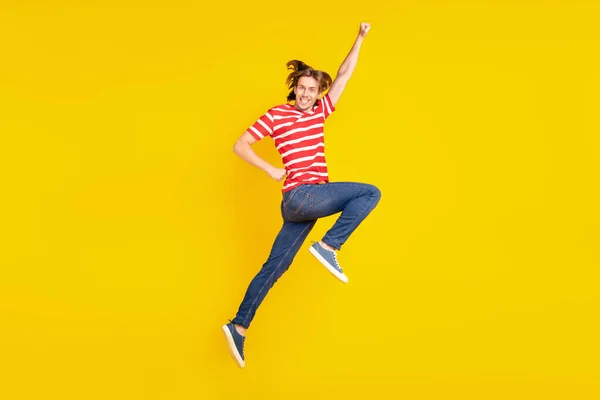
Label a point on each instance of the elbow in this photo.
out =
(237, 147)
(243, 143)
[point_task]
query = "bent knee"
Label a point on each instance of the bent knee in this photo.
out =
(374, 192)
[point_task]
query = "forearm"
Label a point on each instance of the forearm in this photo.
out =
(246, 153)
(347, 67)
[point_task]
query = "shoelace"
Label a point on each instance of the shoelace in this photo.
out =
(337, 264)
(243, 337)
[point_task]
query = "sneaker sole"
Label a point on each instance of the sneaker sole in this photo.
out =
(333, 271)
(232, 348)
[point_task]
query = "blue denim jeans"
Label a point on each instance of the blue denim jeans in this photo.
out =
(300, 209)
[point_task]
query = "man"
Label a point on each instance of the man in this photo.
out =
(297, 132)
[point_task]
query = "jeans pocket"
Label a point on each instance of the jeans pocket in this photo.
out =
(298, 202)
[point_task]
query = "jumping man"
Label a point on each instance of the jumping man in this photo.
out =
(297, 131)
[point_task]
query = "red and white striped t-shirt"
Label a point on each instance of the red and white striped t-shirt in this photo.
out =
(299, 138)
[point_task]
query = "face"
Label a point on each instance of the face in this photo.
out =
(307, 93)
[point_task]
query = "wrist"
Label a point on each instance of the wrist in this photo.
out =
(268, 168)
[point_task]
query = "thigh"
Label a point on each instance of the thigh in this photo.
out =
(308, 202)
(290, 237)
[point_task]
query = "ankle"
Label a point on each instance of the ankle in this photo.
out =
(326, 246)
(240, 329)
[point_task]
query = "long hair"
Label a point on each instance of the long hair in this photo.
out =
(300, 69)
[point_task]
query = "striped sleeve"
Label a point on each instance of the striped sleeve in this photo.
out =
(263, 126)
(328, 107)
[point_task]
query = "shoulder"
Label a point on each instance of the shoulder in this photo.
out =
(325, 104)
(273, 111)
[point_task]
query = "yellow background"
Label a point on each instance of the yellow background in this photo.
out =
(130, 230)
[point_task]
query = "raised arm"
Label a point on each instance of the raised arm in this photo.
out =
(347, 68)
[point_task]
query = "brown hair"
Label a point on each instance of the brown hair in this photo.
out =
(300, 69)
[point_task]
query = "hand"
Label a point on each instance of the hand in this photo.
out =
(364, 28)
(277, 173)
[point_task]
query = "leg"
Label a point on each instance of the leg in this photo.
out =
(365, 198)
(354, 200)
(291, 236)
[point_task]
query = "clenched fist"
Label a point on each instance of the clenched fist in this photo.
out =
(364, 28)
(277, 173)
